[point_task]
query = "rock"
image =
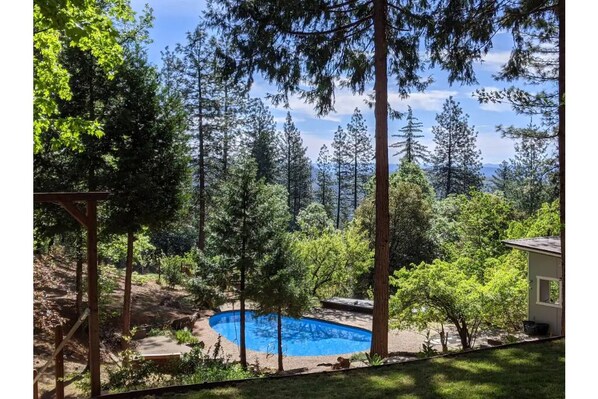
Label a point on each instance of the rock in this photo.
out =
(187, 321)
(494, 342)
(342, 363)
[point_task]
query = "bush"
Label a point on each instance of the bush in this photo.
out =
(172, 269)
(208, 285)
(185, 336)
(198, 367)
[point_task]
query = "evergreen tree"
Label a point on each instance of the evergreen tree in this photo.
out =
(281, 287)
(325, 191)
(502, 180)
(532, 168)
(320, 41)
(295, 169)
(360, 154)
(231, 100)
(249, 217)
(341, 167)
(145, 134)
(260, 139)
(456, 161)
(410, 148)
(197, 84)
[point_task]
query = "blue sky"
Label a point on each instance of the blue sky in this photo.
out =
(173, 18)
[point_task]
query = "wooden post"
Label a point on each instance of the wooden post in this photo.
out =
(92, 294)
(35, 392)
(59, 361)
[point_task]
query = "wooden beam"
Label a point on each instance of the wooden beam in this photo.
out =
(75, 212)
(70, 197)
(92, 296)
(59, 362)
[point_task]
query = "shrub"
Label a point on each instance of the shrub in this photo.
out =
(185, 336)
(172, 269)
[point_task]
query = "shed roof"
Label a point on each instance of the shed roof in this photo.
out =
(544, 245)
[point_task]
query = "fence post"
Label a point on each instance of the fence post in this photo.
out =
(59, 364)
(35, 393)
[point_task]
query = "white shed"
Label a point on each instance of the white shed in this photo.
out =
(545, 279)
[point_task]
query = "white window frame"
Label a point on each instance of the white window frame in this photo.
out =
(552, 305)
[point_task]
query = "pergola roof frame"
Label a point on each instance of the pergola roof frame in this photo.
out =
(87, 217)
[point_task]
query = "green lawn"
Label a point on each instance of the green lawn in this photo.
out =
(530, 371)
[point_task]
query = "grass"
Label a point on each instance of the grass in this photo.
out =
(530, 371)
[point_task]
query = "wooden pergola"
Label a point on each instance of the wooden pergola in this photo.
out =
(87, 217)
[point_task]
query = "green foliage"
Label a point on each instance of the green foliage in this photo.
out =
(314, 219)
(185, 336)
(108, 281)
(410, 223)
(281, 281)
(411, 172)
(433, 293)
(57, 26)
(295, 169)
(506, 291)
(427, 348)
(114, 248)
(410, 148)
(142, 279)
(132, 374)
(172, 269)
(374, 360)
(456, 162)
(368, 359)
(197, 367)
(545, 222)
(335, 260)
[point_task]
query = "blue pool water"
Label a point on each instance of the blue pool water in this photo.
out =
(300, 337)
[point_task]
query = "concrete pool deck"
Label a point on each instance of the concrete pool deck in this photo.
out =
(398, 341)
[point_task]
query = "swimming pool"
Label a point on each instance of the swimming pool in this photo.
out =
(300, 337)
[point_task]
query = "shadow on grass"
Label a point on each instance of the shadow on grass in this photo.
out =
(533, 371)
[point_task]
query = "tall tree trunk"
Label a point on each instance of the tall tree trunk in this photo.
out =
(280, 368)
(355, 181)
(449, 174)
(381, 266)
(127, 296)
(561, 11)
(226, 139)
(79, 275)
(201, 241)
(338, 196)
(242, 313)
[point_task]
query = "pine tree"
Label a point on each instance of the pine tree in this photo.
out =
(145, 134)
(230, 95)
(532, 168)
(197, 85)
(322, 41)
(295, 169)
(281, 287)
(456, 161)
(410, 148)
(342, 171)
(325, 180)
(249, 217)
(502, 180)
(260, 139)
(361, 154)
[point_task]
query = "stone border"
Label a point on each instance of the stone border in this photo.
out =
(220, 384)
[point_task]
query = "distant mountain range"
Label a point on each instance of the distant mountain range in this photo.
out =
(488, 170)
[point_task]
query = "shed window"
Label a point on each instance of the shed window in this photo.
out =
(549, 291)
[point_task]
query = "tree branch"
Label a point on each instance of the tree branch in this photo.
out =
(326, 32)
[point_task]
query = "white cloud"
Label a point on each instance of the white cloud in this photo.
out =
(494, 60)
(428, 101)
(495, 148)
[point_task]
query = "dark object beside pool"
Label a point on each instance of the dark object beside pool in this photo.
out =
(350, 304)
(533, 328)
